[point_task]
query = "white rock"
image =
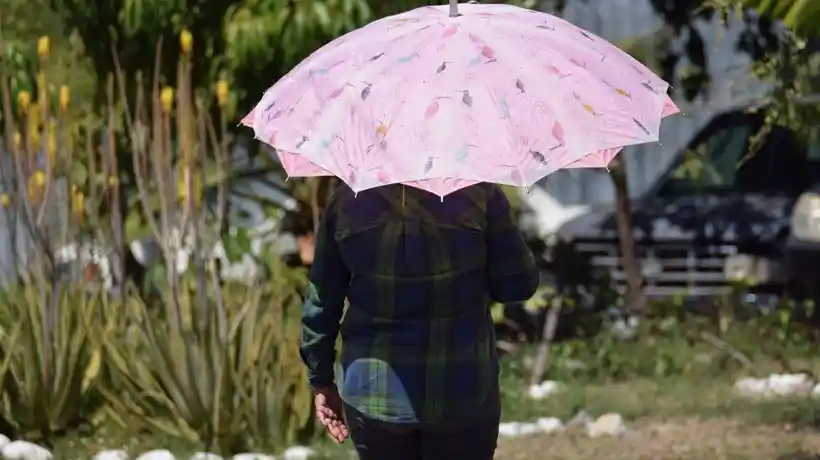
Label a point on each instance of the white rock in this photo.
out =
(751, 387)
(776, 385)
(251, 456)
(815, 392)
(160, 454)
(111, 455)
(205, 456)
(4, 441)
(509, 429)
(606, 425)
(22, 450)
(544, 389)
(528, 429)
(549, 424)
(298, 453)
(790, 384)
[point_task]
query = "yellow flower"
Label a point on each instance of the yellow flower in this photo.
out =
(23, 100)
(4, 200)
(41, 85)
(186, 41)
(51, 145)
(79, 203)
(222, 93)
(112, 181)
(166, 98)
(43, 47)
(65, 97)
(39, 179)
(18, 139)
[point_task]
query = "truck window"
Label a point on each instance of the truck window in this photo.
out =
(720, 161)
(710, 164)
(779, 166)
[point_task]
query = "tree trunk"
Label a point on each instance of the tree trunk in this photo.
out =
(541, 365)
(636, 300)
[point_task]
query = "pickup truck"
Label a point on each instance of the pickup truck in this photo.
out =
(721, 216)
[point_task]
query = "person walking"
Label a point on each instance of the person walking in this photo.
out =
(419, 365)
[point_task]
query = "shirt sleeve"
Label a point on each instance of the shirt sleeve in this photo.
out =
(513, 275)
(328, 284)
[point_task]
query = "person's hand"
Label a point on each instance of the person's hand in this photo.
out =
(330, 413)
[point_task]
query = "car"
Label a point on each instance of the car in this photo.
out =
(721, 217)
(803, 247)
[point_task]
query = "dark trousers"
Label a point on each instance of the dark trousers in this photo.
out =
(378, 440)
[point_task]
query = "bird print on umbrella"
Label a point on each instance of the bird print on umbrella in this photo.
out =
(558, 134)
(505, 108)
(408, 58)
(464, 152)
(366, 91)
(499, 103)
(338, 91)
(648, 86)
(556, 71)
(429, 165)
(488, 53)
(467, 98)
(538, 156)
(640, 125)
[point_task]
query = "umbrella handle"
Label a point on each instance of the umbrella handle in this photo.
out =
(453, 8)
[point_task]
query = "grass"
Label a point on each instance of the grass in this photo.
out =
(676, 395)
(688, 415)
(673, 418)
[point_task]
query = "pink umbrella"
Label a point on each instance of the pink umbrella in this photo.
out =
(486, 93)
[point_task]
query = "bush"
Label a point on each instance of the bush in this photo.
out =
(229, 381)
(50, 360)
(209, 362)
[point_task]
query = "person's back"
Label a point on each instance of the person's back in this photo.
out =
(419, 274)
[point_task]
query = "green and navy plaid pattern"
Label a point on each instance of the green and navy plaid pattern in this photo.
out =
(419, 274)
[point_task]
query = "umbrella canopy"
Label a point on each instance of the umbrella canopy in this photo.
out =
(439, 101)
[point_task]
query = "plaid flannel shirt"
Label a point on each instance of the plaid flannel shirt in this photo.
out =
(419, 273)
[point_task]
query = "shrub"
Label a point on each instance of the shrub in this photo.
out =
(50, 362)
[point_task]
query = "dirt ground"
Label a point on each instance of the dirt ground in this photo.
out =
(686, 439)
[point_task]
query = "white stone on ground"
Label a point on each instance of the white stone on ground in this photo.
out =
(777, 385)
(160, 454)
(205, 456)
(252, 456)
(111, 455)
(544, 389)
(22, 450)
(509, 429)
(543, 425)
(298, 453)
(549, 424)
(606, 425)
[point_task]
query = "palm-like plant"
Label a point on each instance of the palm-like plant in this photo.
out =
(214, 362)
(801, 16)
